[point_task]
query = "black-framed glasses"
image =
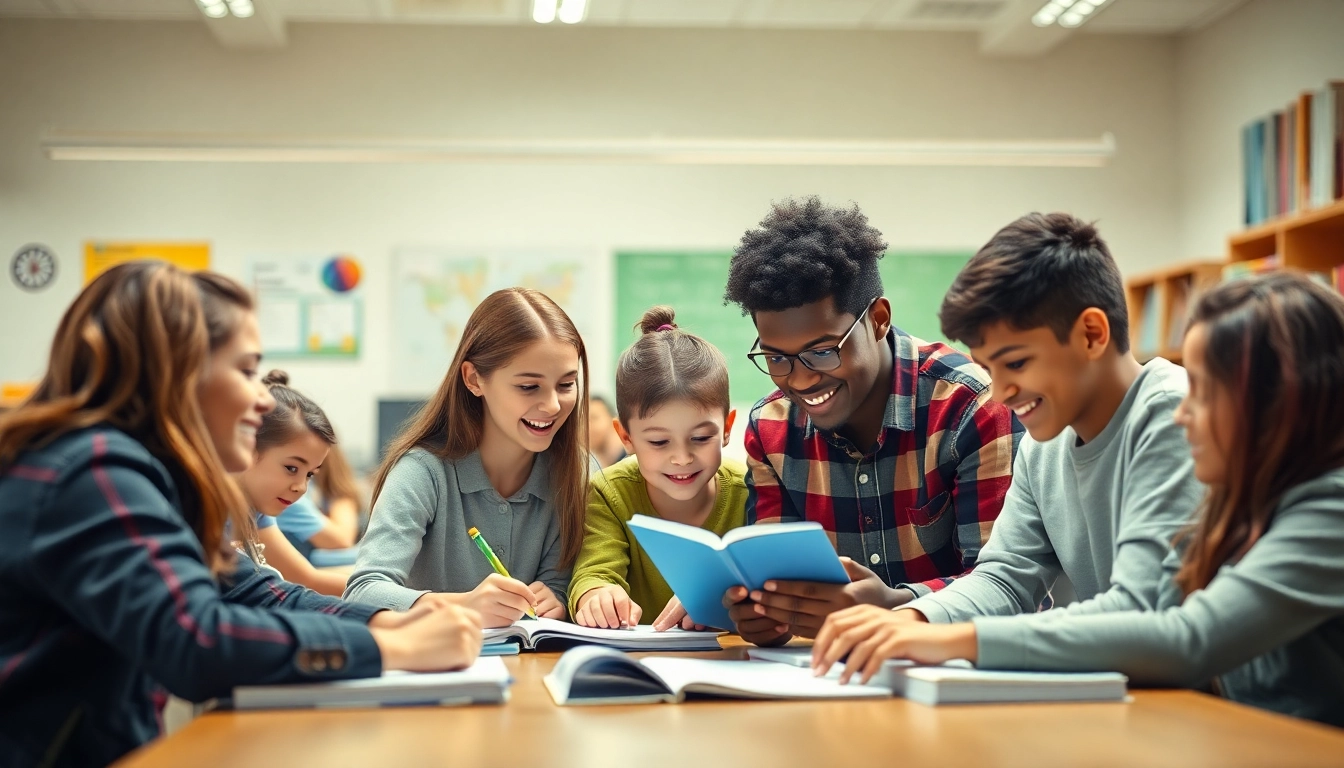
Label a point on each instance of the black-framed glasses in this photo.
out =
(822, 359)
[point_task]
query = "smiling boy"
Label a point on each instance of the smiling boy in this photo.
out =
(1104, 481)
(889, 442)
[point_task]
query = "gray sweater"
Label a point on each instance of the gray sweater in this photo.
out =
(417, 539)
(1102, 514)
(1270, 627)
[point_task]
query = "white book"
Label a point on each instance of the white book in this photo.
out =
(597, 675)
(547, 634)
(959, 682)
(485, 682)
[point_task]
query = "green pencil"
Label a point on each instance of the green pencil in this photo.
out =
(494, 561)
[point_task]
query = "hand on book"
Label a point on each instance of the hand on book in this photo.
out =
(434, 637)
(548, 605)
(500, 600)
(674, 614)
(607, 607)
(753, 627)
(804, 605)
(870, 635)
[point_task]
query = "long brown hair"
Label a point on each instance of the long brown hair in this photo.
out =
(337, 479)
(451, 423)
(1276, 345)
(131, 343)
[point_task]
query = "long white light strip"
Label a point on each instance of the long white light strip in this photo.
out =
(543, 11)
(780, 152)
(572, 11)
(1069, 13)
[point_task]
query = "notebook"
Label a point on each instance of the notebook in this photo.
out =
(959, 682)
(700, 566)
(485, 682)
(549, 634)
(597, 675)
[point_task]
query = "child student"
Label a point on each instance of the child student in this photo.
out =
(1254, 600)
(672, 402)
(292, 444)
(1103, 481)
(501, 447)
(114, 499)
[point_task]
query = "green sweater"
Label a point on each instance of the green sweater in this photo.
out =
(611, 555)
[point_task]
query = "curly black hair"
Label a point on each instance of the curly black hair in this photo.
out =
(803, 252)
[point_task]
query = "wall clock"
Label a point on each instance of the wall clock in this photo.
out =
(33, 267)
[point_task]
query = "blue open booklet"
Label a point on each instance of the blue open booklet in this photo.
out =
(700, 566)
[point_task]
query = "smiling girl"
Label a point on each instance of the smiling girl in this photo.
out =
(292, 444)
(499, 447)
(673, 415)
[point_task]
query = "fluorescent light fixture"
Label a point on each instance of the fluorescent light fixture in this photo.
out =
(184, 148)
(572, 11)
(1069, 13)
(241, 8)
(543, 11)
(215, 9)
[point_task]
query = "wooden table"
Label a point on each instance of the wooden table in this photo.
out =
(1159, 728)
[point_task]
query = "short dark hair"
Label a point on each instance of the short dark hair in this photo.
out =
(803, 252)
(1041, 270)
(592, 398)
(667, 364)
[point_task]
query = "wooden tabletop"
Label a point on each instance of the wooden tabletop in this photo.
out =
(1158, 728)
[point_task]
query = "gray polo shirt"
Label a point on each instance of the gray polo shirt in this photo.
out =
(417, 539)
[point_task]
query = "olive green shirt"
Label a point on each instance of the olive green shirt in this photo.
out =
(611, 555)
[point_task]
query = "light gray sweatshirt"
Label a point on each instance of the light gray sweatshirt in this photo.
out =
(417, 540)
(1270, 627)
(1103, 513)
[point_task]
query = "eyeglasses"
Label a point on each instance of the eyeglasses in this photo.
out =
(823, 359)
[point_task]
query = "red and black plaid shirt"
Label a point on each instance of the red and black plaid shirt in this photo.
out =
(916, 507)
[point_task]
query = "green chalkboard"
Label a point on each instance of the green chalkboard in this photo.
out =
(692, 283)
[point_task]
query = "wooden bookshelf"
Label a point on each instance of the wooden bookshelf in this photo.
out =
(1312, 240)
(1163, 298)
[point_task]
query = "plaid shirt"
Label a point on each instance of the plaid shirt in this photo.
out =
(919, 505)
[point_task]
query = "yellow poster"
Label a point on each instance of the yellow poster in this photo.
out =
(100, 256)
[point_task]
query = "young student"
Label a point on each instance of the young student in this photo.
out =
(672, 401)
(114, 501)
(1253, 602)
(890, 443)
(501, 447)
(603, 442)
(292, 444)
(1104, 481)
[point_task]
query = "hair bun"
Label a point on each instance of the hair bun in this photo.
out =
(276, 378)
(656, 318)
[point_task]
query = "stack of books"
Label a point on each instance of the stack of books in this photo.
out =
(1293, 159)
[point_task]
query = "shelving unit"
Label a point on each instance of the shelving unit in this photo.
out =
(1163, 298)
(1312, 240)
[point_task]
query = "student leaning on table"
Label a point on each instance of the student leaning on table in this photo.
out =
(116, 577)
(1254, 603)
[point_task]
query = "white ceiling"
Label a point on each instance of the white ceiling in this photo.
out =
(1119, 16)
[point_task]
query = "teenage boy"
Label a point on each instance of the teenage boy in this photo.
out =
(1104, 480)
(889, 442)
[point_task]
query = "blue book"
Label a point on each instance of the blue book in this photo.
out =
(700, 566)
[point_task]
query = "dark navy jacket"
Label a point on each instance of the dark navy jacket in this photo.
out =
(106, 601)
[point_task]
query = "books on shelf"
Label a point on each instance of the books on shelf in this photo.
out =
(1250, 267)
(959, 682)
(1148, 323)
(700, 566)
(485, 682)
(1293, 159)
(595, 675)
(549, 634)
(1337, 278)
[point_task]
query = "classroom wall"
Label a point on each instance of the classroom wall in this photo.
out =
(433, 81)
(1243, 66)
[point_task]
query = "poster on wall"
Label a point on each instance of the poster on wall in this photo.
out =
(435, 290)
(309, 306)
(100, 255)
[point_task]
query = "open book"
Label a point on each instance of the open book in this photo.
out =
(485, 682)
(596, 675)
(549, 634)
(700, 566)
(959, 682)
